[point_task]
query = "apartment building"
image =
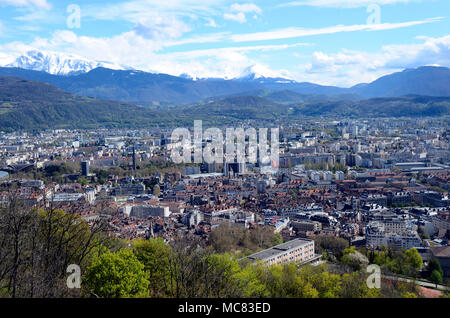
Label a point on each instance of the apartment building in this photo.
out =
(399, 198)
(128, 189)
(298, 251)
(145, 211)
(441, 222)
(383, 234)
(306, 226)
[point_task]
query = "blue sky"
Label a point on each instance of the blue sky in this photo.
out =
(335, 42)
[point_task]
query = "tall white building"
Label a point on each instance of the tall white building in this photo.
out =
(393, 232)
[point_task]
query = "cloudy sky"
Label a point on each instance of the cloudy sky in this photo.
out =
(335, 42)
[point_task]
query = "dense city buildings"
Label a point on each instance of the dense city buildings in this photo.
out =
(374, 182)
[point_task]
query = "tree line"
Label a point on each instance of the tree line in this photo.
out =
(38, 245)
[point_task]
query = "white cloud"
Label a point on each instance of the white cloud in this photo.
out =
(207, 38)
(348, 67)
(238, 17)
(38, 17)
(211, 22)
(138, 9)
(27, 3)
(344, 3)
(228, 62)
(231, 50)
(141, 53)
(239, 11)
(161, 27)
(158, 20)
(344, 68)
(245, 8)
(292, 32)
(162, 24)
(287, 33)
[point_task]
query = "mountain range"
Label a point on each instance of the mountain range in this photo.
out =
(33, 106)
(86, 94)
(117, 82)
(30, 105)
(59, 63)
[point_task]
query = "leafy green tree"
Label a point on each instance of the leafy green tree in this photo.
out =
(117, 275)
(407, 262)
(354, 286)
(436, 277)
(83, 181)
(277, 239)
(327, 284)
(275, 281)
(220, 276)
(38, 246)
(414, 258)
(155, 254)
(150, 183)
(354, 259)
(433, 265)
(102, 175)
(293, 284)
(250, 280)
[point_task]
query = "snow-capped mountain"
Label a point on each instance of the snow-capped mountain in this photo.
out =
(262, 74)
(59, 63)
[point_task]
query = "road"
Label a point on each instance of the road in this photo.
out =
(418, 282)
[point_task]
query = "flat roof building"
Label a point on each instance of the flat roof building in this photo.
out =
(298, 250)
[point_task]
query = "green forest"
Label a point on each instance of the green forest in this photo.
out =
(33, 106)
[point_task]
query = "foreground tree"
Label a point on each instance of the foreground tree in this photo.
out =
(436, 277)
(117, 275)
(37, 246)
(155, 255)
(434, 265)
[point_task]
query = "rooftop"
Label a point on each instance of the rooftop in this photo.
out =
(278, 249)
(441, 251)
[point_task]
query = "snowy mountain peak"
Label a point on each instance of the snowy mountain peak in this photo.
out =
(262, 73)
(256, 71)
(58, 63)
